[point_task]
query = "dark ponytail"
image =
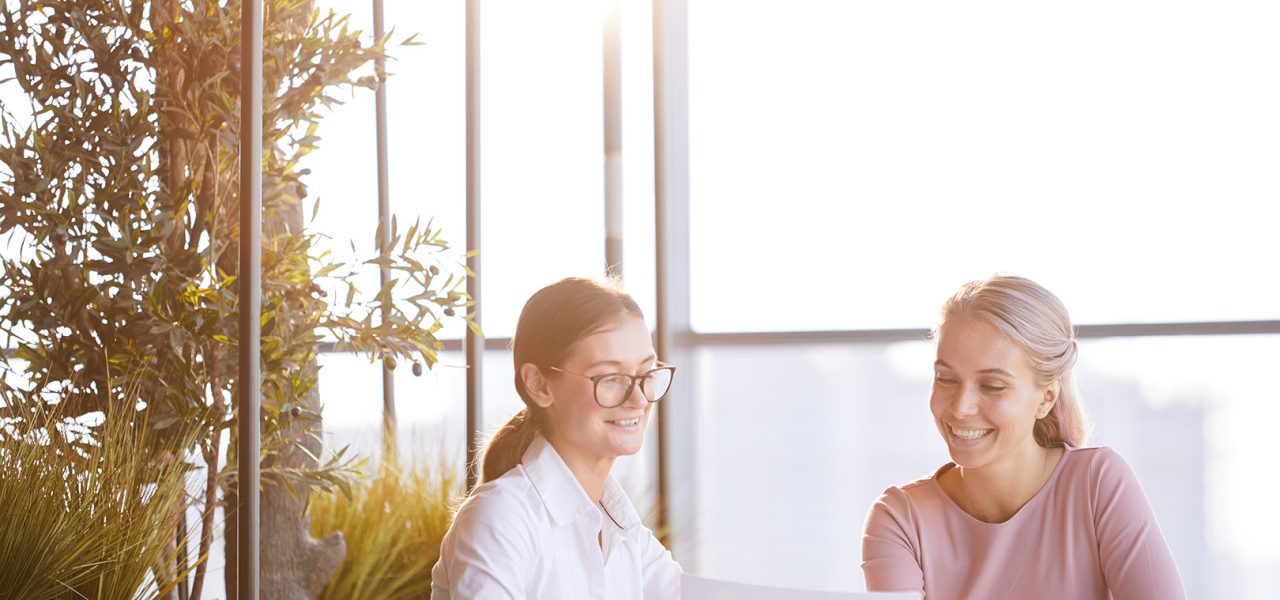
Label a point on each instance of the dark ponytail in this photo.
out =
(508, 444)
(553, 320)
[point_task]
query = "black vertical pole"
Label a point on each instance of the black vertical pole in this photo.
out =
(475, 346)
(250, 300)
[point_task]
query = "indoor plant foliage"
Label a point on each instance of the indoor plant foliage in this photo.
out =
(119, 199)
(86, 503)
(393, 524)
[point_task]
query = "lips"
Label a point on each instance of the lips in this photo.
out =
(968, 434)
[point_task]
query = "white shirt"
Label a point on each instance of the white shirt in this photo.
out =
(534, 533)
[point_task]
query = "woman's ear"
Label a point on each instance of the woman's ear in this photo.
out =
(1050, 398)
(536, 385)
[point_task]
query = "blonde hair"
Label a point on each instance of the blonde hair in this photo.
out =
(1038, 322)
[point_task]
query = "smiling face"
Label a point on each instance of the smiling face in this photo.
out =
(986, 397)
(575, 424)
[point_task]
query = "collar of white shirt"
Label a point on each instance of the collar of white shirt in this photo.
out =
(564, 497)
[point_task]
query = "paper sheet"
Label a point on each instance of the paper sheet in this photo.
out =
(701, 588)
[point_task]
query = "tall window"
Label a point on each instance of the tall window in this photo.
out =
(853, 164)
(542, 187)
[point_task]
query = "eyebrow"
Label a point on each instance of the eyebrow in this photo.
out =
(601, 363)
(942, 363)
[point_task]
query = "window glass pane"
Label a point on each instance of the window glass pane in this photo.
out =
(426, 123)
(639, 263)
(854, 162)
(784, 472)
(543, 159)
(431, 409)
(542, 147)
(343, 176)
(825, 428)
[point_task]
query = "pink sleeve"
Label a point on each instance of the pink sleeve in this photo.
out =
(889, 563)
(1136, 561)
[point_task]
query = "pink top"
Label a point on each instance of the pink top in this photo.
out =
(1088, 531)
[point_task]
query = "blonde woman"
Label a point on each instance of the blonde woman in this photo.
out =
(1023, 510)
(548, 520)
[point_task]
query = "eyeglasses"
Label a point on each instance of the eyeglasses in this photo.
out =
(613, 389)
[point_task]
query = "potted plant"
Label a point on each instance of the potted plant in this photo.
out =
(118, 185)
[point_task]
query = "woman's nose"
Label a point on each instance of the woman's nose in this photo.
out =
(637, 397)
(965, 402)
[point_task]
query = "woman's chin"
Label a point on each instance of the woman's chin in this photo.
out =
(626, 446)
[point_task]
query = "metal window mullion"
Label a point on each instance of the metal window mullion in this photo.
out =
(384, 235)
(612, 59)
(877, 336)
(474, 345)
(1088, 331)
(675, 423)
(250, 302)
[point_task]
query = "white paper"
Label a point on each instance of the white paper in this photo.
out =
(693, 587)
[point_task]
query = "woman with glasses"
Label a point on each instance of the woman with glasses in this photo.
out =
(547, 520)
(1022, 510)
